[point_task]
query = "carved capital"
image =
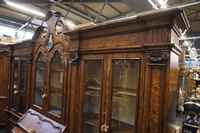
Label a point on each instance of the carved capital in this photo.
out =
(7, 53)
(29, 59)
(157, 56)
(73, 57)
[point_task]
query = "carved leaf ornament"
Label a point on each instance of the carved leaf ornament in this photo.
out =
(157, 56)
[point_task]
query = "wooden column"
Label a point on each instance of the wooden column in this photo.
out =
(155, 86)
(73, 76)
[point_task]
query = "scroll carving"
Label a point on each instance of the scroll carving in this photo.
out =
(29, 59)
(73, 57)
(6, 52)
(157, 56)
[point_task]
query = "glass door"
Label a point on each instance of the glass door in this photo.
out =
(22, 86)
(125, 73)
(39, 82)
(19, 85)
(56, 85)
(92, 96)
(15, 90)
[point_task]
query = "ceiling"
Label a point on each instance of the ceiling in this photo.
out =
(85, 12)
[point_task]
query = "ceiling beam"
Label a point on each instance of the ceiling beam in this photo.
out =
(138, 5)
(95, 11)
(16, 11)
(44, 10)
(13, 20)
(114, 8)
(47, 1)
(64, 7)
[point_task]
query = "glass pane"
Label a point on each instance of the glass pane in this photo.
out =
(56, 85)
(22, 87)
(125, 83)
(15, 84)
(92, 96)
(39, 80)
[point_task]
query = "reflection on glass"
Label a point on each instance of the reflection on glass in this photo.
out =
(39, 80)
(50, 42)
(56, 83)
(15, 85)
(92, 96)
(125, 80)
(22, 87)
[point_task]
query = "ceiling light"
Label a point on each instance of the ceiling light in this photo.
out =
(70, 24)
(163, 3)
(154, 5)
(25, 9)
(186, 43)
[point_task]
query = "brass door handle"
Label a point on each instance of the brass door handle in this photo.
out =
(16, 92)
(44, 95)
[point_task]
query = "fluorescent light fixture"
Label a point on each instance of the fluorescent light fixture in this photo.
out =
(154, 5)
(163, 3)
(25, 9)
(186, 43)
(70, 24)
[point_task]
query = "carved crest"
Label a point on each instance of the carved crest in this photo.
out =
(157, 56)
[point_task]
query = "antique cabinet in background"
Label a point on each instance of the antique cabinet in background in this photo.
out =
(3, 82)
(49, 87)
(20, 55)
(125, 74)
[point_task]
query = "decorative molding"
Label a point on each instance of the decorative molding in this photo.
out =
(73, 57)
(157, 56)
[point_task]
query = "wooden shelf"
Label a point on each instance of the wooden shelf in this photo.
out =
(56, 91)
(57, 70)
(93, 87)
(93, 122)
(39, 88)
(39, 68)
(92, 93)
(127, 92)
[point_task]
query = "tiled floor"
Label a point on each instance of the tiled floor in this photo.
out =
(2, 129)
(180, 117)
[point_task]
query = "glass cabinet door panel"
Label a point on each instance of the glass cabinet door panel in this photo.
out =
(22, 86)
(125, 83)
(56, 85)
(39, 81)
(15, 84)
(92, 96)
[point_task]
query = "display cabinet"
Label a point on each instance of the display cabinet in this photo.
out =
(19, 56)
(49, 86)
(3, 83)
(125, 74)
(118, 77)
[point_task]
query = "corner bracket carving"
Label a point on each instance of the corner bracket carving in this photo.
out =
(157, 56)
(73, 57)
(6, 52)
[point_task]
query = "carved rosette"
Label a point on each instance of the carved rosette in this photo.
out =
(157, 56)
(73, 57)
